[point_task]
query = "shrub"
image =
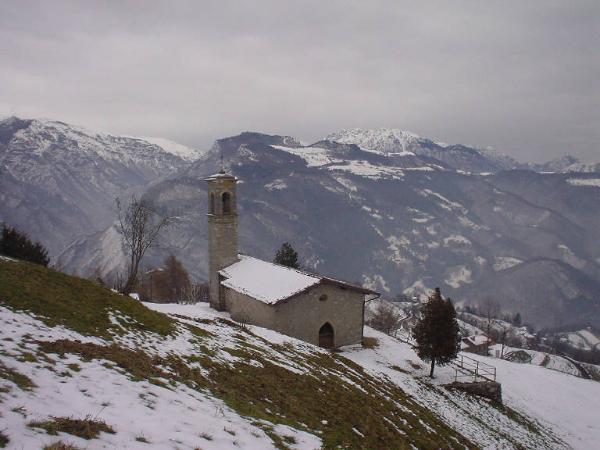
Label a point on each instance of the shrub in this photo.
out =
(385, 318)
(370, 342)
(18, 245)
(3, 440)
(88, 428)
(60, 445)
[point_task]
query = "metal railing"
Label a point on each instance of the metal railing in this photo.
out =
(470, 368)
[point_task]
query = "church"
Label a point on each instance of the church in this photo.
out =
(314, 308)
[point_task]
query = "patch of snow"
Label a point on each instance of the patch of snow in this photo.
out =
(186, 153)
(276, 185)
(346, 183)
(367, 170)
(481, 260)
(445, 203)
(314, 156)
(457, 276)
(397, 245)
(375, 282)
(456, 239)
(505, 262)
(594, 182)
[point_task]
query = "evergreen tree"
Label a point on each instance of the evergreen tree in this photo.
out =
(517, 322)
(287, 256)
(18, 245)
(437, 332)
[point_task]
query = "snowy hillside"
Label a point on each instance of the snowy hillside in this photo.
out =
(72, 351)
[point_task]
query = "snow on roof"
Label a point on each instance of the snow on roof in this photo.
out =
(265, 281)
(220, 175)
(477, 339)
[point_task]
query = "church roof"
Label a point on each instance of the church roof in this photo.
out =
(272, 283)
(221, 175)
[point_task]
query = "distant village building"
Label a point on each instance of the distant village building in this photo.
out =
(314, 308)
(477, 343)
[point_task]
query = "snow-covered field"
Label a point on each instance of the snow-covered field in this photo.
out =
(570, 405)
(566, 404)
(559, 406)
(181, 418)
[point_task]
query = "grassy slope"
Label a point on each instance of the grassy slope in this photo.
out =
(302, 387)
(78, 304)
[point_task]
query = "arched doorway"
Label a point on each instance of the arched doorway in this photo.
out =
(326, 336)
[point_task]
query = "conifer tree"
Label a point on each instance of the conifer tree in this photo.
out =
(437, 332)
(287, 256)
(517, 320)
(18, 245)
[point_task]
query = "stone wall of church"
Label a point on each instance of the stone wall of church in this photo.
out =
(248, 310)
(303, 316)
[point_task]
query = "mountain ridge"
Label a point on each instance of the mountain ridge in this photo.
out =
(395, 221)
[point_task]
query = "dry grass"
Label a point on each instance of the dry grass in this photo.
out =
(370, 342)
(78, 304)
(60, 445)
(22, 381)
(87, 428)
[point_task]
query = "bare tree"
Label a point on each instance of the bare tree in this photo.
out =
(490, 309)
(197, 292)
(385, 318)
(140, 227)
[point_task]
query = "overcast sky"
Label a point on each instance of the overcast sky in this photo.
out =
(520, 76)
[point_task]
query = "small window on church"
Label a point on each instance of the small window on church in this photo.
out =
(323, 297)
(226, 197)
(212, 203)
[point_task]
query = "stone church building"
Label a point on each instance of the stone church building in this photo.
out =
(314, 308)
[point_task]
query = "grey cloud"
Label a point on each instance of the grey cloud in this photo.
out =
(519, 76)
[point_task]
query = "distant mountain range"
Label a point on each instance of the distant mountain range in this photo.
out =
(59, 182)
(386, 208)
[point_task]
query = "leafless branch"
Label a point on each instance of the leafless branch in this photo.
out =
(140, 226)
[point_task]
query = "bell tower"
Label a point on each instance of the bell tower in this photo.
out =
(222, 231)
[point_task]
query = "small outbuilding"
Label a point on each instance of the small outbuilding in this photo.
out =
(477, 343)
(317, 309)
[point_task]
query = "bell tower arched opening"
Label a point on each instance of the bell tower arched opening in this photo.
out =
(226, 203)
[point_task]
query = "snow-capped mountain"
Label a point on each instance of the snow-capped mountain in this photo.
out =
(394, 141)
(383, 140)
(398, 219)
(182, 151)
(566, 164)
(59, 181)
